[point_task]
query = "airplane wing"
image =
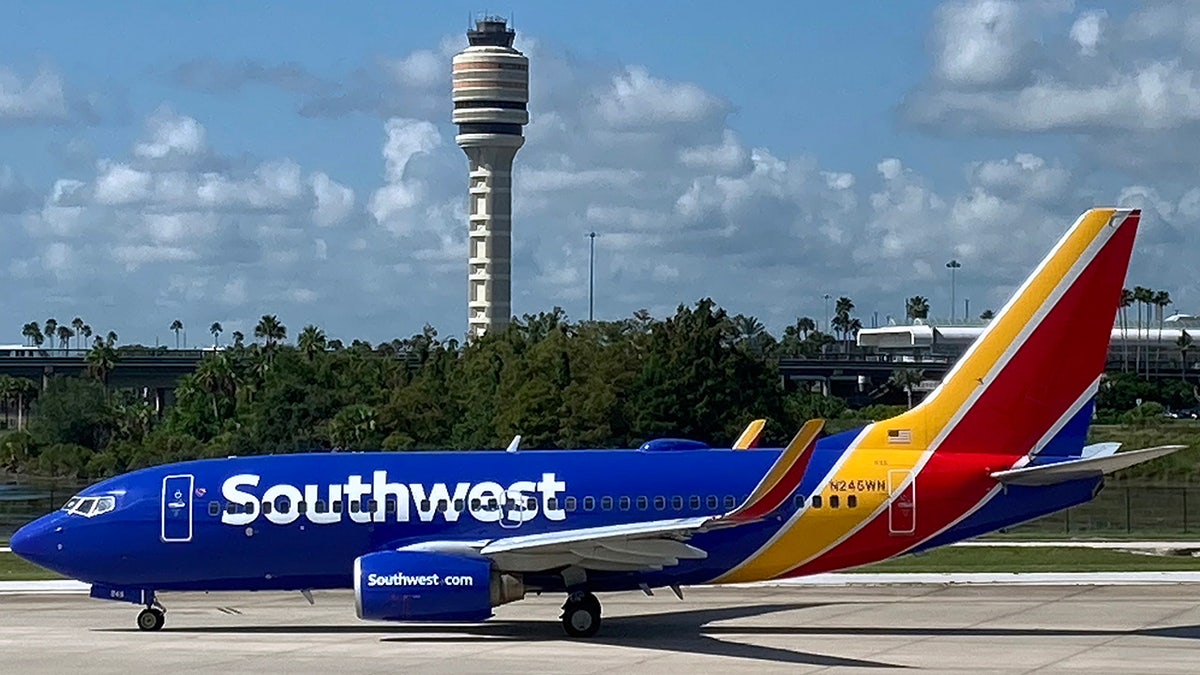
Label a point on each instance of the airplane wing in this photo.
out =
(1087, 467)
(749, 437)
(650, 545)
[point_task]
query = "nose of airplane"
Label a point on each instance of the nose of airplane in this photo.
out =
(34, 542)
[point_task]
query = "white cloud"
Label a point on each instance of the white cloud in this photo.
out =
(40, 99)
(170, 134)
(1088, 29)
(335, 202)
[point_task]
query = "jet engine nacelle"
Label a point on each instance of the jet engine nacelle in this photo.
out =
(425, 586)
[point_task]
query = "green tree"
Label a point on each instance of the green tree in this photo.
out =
(216, 329)
(64, 337)
(77, 326)
(270, 330)
(51, 331)
(176, 327)
(1126, 303)
(101, 360)
(906, 379)
(987, 315)
(1183, 343)
(353, 428)
(916, 307)
(311, 341)
(72, 411)
(238, 339)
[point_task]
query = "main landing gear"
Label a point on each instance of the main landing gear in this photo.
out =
(151, 618)
(581, 615)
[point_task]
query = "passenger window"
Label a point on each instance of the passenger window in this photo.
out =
(353, 506)
(643, 503)
(266, 508)
(798, 501)
(337, 506)
(302, 507)
(442, 505)
(424, 505)
(713, 502)
(816, 501)
(694, 502)
(459, 504)
(373, 506)
(531, 503)
(677, 503)
(232, 507)
(833, 501)
(552, 503)
(320, 506)
(730, 501)
(214, 508)
(571, 504)
(660, 503)
(475, 504)
(589, 503)
(851, 502)
(606, 503)
(624, 503)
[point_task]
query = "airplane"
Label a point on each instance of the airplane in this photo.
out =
(448, 537)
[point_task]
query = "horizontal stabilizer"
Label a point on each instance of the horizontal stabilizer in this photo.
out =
(749, 437)
(1088, 467)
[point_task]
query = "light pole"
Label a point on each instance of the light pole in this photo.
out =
(953, 265)
(591, 276)
(826, 296)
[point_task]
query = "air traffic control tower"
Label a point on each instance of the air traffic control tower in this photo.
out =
(491, 93)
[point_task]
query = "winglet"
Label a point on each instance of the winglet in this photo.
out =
(749, 437)
(782, 478)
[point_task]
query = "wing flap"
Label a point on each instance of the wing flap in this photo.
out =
(1088, 467)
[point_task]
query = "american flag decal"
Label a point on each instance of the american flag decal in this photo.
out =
(899, 436)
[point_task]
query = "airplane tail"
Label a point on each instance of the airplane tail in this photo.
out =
(1025, 387)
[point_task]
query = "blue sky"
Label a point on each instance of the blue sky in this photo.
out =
(214, 162)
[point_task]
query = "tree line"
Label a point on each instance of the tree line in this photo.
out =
(701, 373)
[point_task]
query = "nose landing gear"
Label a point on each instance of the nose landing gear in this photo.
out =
(581, 615)
(151, 618)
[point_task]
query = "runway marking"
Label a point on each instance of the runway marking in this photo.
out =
(827, 579)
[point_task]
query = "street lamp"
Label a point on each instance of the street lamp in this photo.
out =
(591, 276)
(827, 296)
(953, 265)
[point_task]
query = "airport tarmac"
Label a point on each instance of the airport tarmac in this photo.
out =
(931, 628)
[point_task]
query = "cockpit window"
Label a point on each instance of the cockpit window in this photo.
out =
(90, 507)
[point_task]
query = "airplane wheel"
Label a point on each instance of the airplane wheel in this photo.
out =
(151, 619)
(581, 615)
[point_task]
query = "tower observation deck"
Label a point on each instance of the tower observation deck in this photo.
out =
(491, 94)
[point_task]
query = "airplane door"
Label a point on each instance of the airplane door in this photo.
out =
(177, 508)
(902, 509)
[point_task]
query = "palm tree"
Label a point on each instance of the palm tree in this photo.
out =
(806, 325)
(8, 391)
(217, 378)
(112, 338)
(216, 330)
(64, 337)
(87, 333)
(176, 326)
(905, 379)
(77, 326)
(30, 330)
(25, 391)
(51, 330)
(1161, 300)
(238, 339)
(1143, 296)
(311, 341)
(270, 330)
(1126, 302)
(987, 315)
(916, 307)
(101, 360)
(1184, 343)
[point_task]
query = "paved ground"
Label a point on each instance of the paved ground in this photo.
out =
(1093, 629)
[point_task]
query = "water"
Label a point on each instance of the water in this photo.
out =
(22, 499)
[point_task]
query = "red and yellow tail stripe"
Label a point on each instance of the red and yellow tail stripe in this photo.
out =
(1043, 351)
